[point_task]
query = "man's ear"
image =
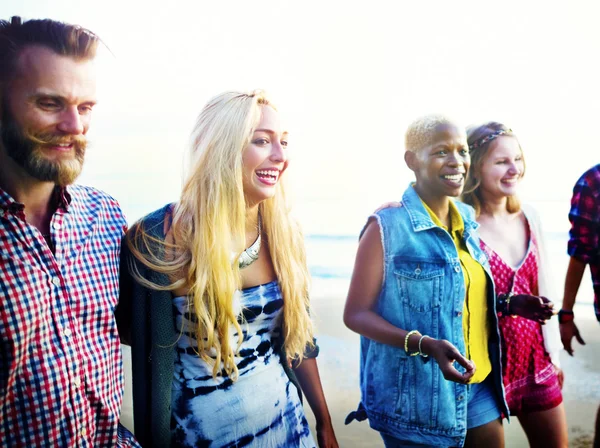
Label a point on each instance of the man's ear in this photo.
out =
(410, 158)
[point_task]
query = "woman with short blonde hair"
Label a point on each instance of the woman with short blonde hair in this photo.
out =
(422, 299)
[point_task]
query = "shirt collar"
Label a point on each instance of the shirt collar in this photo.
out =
(61, 198)
(457, 224)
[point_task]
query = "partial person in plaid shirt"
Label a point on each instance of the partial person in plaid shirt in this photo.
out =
(584, 248)
(61, 382)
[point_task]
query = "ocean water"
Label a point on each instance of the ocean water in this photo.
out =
(331, 261)
(331, 256)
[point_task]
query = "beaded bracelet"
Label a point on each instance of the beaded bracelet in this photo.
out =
(408, 335)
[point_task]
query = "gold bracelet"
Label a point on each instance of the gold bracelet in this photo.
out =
(408, 335)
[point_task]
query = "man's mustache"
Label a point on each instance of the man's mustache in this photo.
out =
(52, 139)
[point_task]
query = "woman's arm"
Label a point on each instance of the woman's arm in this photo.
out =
(536, 308)
(361, 317)
(365, 286)
(310, 382)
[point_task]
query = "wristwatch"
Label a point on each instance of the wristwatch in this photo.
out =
(565, 316)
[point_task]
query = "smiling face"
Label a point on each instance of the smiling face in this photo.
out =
(442, 166)
(502, 169)
(47, 113)
(265, 158)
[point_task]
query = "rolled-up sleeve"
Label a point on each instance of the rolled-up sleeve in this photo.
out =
(311, 351)
(585, 218)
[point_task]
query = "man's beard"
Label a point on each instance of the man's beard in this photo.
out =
(26, 149)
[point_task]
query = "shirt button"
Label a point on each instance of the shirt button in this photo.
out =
(56, 281)
(56, 225)
(83, 432)
(77, 382)
(457, 268)
(459, 313)
(67, 332)
(461, 397)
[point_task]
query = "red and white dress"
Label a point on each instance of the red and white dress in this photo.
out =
(530, 378)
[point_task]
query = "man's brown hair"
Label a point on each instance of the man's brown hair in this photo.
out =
(62, 38)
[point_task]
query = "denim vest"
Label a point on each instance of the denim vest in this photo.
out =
(423, 289)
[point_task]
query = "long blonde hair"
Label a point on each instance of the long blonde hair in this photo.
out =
(209, 222)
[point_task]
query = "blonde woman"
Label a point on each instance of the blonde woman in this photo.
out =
(216, 305)
(512, 238)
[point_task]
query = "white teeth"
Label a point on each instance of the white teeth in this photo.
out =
(454, 177)
(270, 173)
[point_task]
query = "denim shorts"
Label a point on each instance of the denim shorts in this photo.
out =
(482, 408)
(482, 404)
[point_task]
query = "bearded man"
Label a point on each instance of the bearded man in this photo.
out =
(61, 381)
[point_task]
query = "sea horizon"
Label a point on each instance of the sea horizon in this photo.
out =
(331, 260)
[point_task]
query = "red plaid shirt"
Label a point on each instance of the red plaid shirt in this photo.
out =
(584, 241)
(61, 381)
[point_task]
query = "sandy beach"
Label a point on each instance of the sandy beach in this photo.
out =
(338, 365)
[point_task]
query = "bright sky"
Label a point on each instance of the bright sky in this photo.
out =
(348, 77)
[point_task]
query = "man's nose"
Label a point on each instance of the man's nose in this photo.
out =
(71, 122)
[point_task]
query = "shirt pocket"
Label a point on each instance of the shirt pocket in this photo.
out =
(420, 284)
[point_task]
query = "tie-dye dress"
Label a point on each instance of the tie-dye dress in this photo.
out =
(261, 408)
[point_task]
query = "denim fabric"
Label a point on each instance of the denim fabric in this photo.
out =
(423, 289)
(482, 403)
(391, 442)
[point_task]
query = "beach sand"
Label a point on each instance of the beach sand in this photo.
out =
(338, 365)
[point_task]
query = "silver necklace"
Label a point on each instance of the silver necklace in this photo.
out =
(250, 255)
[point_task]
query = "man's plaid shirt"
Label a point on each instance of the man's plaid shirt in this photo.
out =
(61, 381)
(584, 241)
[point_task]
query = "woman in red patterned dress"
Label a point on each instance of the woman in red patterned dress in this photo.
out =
(511, 237)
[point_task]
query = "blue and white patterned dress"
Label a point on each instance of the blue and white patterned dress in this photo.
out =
(261, 408)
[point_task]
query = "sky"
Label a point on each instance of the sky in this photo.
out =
(348, 78)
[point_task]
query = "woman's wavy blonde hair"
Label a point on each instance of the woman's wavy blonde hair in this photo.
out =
(209, 223)
(472, 191)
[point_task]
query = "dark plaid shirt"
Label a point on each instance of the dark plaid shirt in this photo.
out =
(584, 241)
(61, 381)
